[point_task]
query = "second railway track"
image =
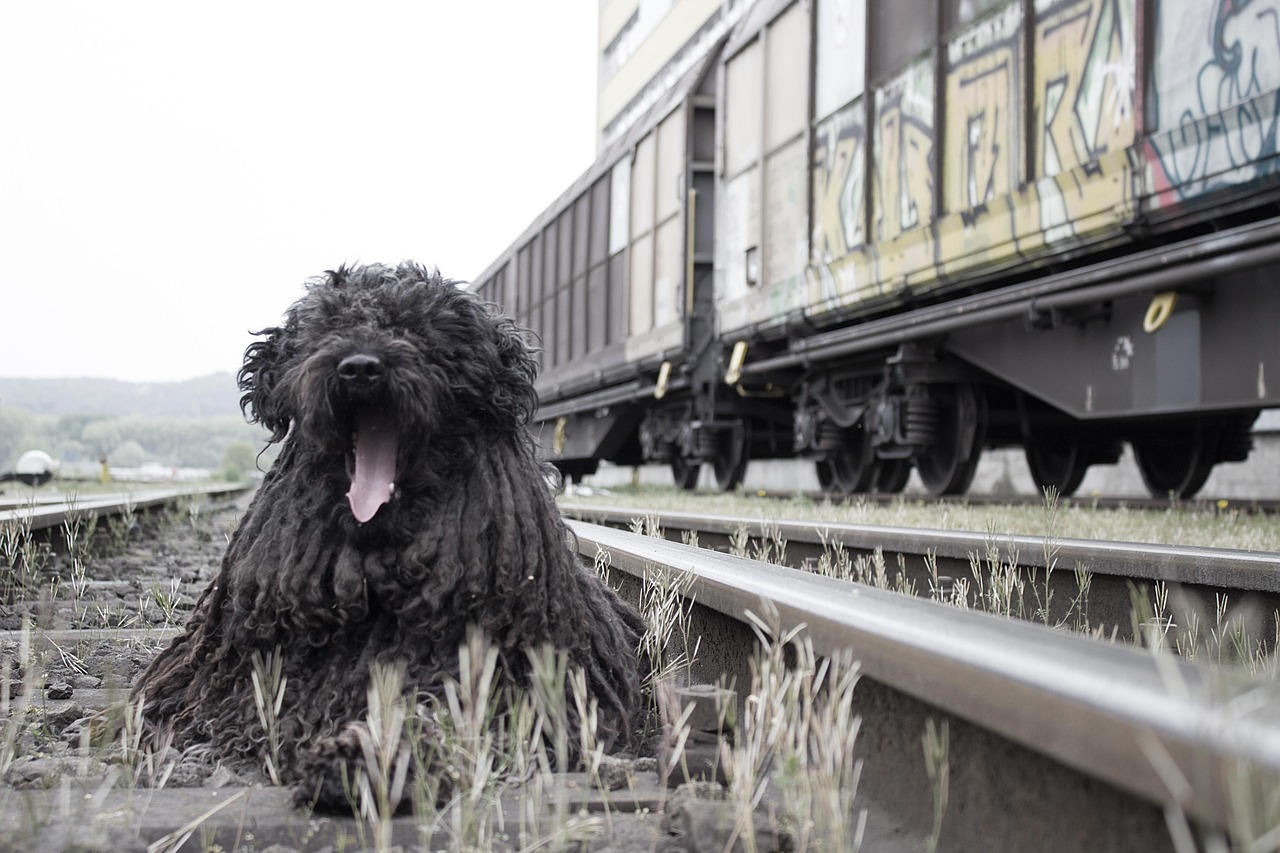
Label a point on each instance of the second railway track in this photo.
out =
(1057, 741)
(1197, 587)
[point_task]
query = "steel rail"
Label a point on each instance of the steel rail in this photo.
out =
(1247, 571)
(1109, 711)
(42, 516)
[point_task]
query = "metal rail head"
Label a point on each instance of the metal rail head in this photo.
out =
(46, 515)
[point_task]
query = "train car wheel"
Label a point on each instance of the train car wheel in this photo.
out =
(731, 458)
(854, 465)
(827, 476)
(1177, 462)
(947, 466)
(685, 473)
(891, 476)
(1057, 462)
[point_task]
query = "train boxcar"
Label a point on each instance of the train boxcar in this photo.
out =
(927, 228)
(614, 281)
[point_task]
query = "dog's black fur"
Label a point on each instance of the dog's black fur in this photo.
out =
(470, 535)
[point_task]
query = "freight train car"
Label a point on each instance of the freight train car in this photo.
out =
(926, 228)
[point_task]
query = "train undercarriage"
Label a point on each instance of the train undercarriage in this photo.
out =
(866, 424)
(866, 429)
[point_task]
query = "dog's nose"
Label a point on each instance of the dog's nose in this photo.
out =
(360, 370)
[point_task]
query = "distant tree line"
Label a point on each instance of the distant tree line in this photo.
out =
(191, 424)
(205, 397)
(225, 443)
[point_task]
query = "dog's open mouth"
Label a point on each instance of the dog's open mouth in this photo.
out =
(373, 472)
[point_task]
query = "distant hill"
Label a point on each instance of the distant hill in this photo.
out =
(215, 395)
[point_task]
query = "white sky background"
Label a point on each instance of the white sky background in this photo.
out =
(171, 172)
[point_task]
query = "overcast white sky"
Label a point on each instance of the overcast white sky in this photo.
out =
(171, 172)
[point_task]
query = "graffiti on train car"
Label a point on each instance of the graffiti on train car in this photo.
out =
(982, 151)
(1085, 86)
(902, 194)
(1215, 99)
(839, 181)
(1083, 100)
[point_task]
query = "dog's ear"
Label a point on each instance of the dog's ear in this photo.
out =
(257, 379)
(513, 396)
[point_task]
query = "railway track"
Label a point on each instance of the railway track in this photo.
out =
(1247, 506)
(1057, 741)
(1186, 586)
(34, 511)
(1054, 741)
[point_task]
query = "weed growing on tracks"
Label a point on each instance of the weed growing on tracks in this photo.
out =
(268, 697)
(666, 605)
(937, 764)
(380, 782)
(1230, 640)
(799, 730)
(22, 559)
(77, 528)
(13, 708)
(120, 527)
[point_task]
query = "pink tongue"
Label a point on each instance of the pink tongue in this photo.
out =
(374, 479)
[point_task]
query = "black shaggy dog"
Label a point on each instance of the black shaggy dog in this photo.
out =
(406, 504)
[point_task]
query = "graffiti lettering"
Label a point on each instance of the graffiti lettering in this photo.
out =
(1216, 74)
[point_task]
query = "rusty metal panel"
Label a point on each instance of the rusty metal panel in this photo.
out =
(902, 30)
(841, 54)
(743, 108)
(786, 76)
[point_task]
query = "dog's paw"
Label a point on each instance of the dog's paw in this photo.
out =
(327, 772)
(336, 772)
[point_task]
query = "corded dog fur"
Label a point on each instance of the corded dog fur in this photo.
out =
(406, 503)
